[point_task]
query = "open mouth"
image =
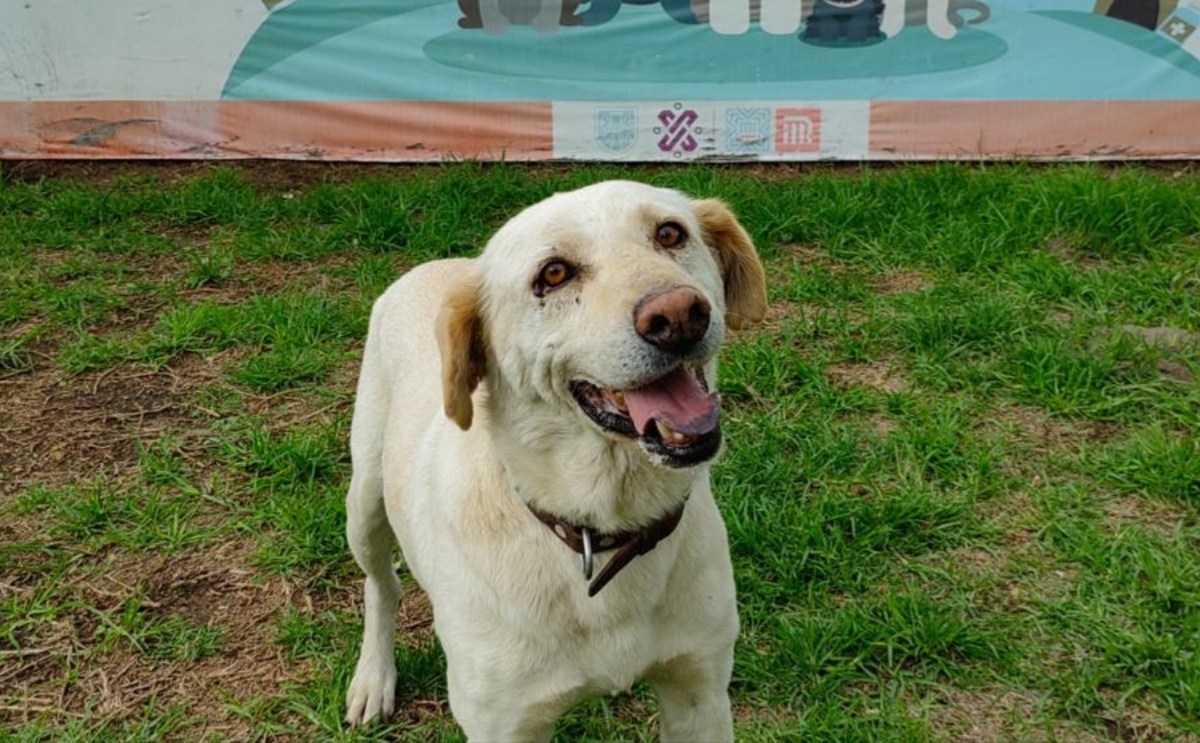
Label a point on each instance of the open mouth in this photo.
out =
(674, 417)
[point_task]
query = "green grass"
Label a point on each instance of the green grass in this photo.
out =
(101, 514)
(172, 638)
(957, 492)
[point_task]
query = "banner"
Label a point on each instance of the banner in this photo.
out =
(639, 80)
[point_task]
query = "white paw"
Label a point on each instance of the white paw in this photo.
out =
(729, 17)
(942, 29)
(891, 26)
(494, 24)
(372, 693)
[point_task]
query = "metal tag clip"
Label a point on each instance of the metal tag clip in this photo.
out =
(586, 533)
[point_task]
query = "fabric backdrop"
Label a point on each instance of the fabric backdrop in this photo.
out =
(668, 80)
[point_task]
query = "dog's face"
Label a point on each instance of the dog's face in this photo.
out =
(603, 309)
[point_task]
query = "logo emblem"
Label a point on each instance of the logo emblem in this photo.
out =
(616, 128)
(678, 131)
(1177, 29)
(797, 130)
(748, 130)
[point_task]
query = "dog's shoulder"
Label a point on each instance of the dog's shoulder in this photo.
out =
(421, 289)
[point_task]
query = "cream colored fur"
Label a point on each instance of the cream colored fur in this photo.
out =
(463, 411)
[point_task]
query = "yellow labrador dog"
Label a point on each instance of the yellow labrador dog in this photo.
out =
(536, 427)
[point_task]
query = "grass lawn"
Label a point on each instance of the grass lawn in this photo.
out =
(962, 482)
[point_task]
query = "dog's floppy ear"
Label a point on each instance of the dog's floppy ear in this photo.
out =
(745, 280)
(460, 341)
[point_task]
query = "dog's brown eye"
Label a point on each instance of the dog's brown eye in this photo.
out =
(553, 275)
(670, 235)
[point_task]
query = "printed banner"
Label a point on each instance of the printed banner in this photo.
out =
(625, 80)
(689, 130)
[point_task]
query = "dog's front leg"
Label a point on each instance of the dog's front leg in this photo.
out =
(499, 713)
(372, 692)
(694, 697)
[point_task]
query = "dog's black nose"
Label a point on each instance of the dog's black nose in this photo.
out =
(672, 320)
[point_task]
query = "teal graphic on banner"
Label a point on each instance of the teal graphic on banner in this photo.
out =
(748, 130)
(562, 50)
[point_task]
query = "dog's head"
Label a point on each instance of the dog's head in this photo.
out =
(603, 309)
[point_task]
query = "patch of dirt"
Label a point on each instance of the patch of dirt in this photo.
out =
(977, 561)
(778, 312)
(1173, 341)
(1016, 515)
(1067, 253)
(803, 254)
(294, 406)
(59, 429)
(1048, 584)
(901, 282)
(875, 375)
(1036, 426)
(208, 587)
(1152, 515)
(998, 715)
(54, 262)
(139, 309)
(1016, 571)
(267, 174)
(1175, 346)
(415, 620)
(1130, 722)
(881, 424)
(1062, 318)
(283, 174)
(275, 276)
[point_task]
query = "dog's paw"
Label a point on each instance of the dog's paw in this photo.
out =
(372, 693)
(942, 28)
(495, 27)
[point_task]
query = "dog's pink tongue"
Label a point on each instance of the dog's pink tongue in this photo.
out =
(677, 400)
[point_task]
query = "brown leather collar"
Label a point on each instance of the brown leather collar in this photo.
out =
(628, 544)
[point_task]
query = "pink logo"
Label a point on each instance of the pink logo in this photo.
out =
(797, 130)
(677, 130)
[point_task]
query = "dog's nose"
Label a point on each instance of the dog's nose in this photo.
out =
(672, 320)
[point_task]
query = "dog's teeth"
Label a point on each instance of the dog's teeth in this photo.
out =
(670, 435)
(618, 397)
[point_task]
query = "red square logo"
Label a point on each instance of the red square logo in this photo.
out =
(797, 130)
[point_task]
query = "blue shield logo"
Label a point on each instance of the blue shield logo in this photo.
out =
(748, 130)
(616, 128)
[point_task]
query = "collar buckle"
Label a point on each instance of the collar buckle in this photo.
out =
(625, 545)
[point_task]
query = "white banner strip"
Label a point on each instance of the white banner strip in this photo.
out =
(679, 131)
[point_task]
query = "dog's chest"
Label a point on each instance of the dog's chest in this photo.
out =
(602, 661)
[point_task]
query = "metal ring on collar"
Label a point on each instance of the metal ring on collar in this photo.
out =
(586, 534)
